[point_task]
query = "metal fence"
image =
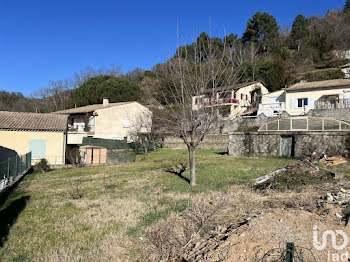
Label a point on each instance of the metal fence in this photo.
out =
(13, 168)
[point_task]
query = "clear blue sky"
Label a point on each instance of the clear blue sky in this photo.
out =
(43, 40)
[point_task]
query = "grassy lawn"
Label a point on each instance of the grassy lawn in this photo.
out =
(99, 213)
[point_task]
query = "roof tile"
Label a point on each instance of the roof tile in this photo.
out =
(32, 121)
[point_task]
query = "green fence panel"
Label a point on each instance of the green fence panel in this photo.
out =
(12, 168)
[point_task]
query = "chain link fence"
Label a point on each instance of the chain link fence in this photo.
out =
(13, 168)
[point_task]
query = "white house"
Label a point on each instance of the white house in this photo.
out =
(346, 70)
(235, 100)
(302, 97)
(107, 121)
(273, 104)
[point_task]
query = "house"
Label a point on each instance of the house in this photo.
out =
(273, 104)
(107, 121)
(44, 135)
(346, 70)
(235, 100)
(328, 94)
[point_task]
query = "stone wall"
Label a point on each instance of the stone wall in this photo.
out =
(209, 142)
(337, 113)
(270, 144)
(232, 125)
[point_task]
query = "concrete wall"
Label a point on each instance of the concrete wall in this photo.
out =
(270, 144)
(55, 146)
(209, 142)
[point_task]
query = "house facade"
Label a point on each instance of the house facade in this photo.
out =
(236, 100)
(273, 104)
(45, 135)
(320, 95)
(118, 121)
(346, 70)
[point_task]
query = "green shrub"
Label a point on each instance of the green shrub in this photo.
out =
(42, 166)
(324, 75)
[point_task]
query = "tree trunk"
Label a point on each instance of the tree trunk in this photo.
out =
(192, 160)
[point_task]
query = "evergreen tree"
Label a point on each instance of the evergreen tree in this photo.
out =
(261, 28)
(300, 30)
(115, 89)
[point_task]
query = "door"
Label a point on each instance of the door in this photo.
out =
(287, 146)
(89, 156)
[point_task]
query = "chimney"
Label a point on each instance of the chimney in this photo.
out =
(105, 102)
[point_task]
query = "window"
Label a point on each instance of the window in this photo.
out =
(302, 102)
(126, 123)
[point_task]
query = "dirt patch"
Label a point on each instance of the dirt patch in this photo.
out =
(210, 221)
(263, 239)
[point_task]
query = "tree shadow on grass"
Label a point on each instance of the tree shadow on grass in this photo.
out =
(224, 153)
(178, 171)
(9, 215)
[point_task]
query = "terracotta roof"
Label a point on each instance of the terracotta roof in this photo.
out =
(335, 83)
(90, 108)
(232, 87)
(32, 121)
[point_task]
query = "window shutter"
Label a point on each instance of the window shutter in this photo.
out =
(311, 102)
(293, 103)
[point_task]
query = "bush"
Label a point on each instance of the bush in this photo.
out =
(42, 166)
(347, 145)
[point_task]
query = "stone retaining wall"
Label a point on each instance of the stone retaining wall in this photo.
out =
(270, 144)
(337, 113)
(209, 142)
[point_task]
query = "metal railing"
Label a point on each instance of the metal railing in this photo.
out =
(13, 168)
(330, 104)
(273, 106)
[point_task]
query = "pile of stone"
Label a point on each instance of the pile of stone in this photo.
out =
(341, 198)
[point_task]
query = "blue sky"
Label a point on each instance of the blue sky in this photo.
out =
(50, 40)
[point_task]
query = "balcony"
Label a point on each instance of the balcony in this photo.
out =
(332, 104)
(206, 102)
(279, 106)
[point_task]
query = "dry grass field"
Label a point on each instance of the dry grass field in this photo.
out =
(101, 213)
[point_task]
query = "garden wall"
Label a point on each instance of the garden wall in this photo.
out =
(209, 142)
(304, 143)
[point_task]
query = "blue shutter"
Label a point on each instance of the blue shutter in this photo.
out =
(38, 148)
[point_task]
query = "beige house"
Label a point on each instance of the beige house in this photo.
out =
(44, 135)
(328, 94)
(120, 121)
(235, 100)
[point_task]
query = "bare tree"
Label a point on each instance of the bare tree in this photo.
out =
(184, 79)
(143, 131)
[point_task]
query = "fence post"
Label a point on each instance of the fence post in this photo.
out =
(8, 169)
(290, 252)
